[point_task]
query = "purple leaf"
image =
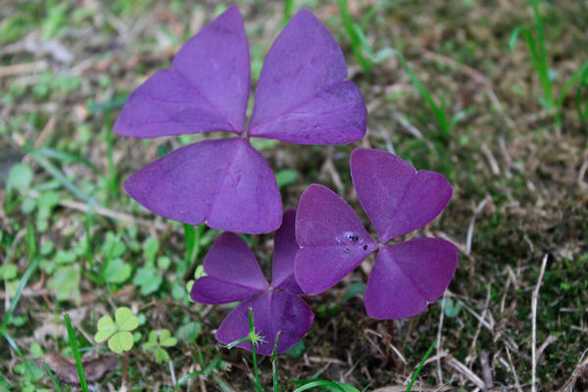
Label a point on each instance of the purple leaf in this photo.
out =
(303, 95)
(409, 276)
(331, 237)
(232, 273)
(205, 89)
(209, 290)
(396, 197)
(224, 183)
(273, 311)
(285, 248)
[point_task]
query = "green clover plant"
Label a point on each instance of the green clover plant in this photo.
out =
(157, 343)
(117, 331)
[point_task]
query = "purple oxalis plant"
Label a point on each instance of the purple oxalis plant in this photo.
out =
(302, 97)
(233, 274)
(398, 199)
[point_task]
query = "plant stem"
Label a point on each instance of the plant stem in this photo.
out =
(125, 370)
(253, 341)
(275, 370)
(112, 179)
(88, 263)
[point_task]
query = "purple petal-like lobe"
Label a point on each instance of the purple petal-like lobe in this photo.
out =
(224, 183)
(409, 276)
(303, 95)
(285, 248)
(331, 237)
(205, 89)
(210, 290)
(232, 273)
(276, 310)
(396, 197)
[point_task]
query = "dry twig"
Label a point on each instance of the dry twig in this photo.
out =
(534, 303)
(465, 371)
(470, 233)
(23, 69)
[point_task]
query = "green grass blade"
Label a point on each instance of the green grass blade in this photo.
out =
(31, 242)
(223, 386)
(11, 343)
(289, 6)
(112, 171)
(54, 379)
(582, 103)
(514, 37)
(213, 366)
(580, 75)
(420, 367)
(89, 249)
(441, 118)
(34, 263)
(74, 346)
(60, 177)
(355, 37)
(235, 343)
(4, 383)
(539, 53)
(326, 385)
(65, 157)
(192, 239)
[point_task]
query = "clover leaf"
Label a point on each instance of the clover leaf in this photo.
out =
(65, 283)
(113, 247)
(20, 178)
(118, 331)
(451, 308)
(189, 332)
(117, 271)
(157, 342)
(166, 339)
(150, 249)
(8, 271)
(8, 274)
(286, 177)
(149, 279)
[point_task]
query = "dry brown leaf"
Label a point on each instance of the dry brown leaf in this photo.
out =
(65, 369)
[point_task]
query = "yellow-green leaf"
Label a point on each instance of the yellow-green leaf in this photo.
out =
(125, 319)
(120, 342)
(106, 329)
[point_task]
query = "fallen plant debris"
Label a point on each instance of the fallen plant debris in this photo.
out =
(65, 369)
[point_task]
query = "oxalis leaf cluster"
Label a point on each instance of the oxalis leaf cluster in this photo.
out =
(303, 96)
